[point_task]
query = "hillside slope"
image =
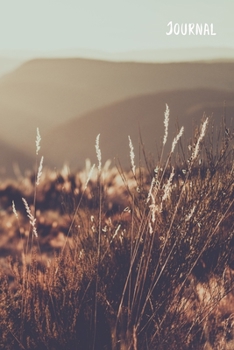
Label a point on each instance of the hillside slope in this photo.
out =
(74, 141)
(47, 92)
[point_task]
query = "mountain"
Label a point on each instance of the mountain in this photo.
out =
(45, 93)
(74, 141)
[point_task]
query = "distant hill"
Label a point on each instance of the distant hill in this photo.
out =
(45, 93)
(74, 141)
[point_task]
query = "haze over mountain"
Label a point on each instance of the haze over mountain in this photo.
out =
(156, 56)
(7, 64)
(46, 92)
(153, 56)
(13, 162)
(74, 141)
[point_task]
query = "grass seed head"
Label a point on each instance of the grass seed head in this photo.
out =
(38, 141)
(32, 220)
(176, 139)
(202, 134)
(166, 124)
(132, 155)
(98, 152)
(39, 173)
(14, 210)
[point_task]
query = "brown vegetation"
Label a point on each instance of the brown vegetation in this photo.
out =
(123, 261)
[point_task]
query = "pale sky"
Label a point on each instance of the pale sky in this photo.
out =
(110, 25)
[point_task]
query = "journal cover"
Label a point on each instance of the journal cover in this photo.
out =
(116, 174)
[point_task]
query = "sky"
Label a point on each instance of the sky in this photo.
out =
(110, 25)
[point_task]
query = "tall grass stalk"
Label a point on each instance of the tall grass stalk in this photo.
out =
(99, 157)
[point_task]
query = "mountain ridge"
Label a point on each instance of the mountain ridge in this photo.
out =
(44, 93)
(74, 141)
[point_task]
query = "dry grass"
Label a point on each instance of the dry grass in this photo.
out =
(123, 261)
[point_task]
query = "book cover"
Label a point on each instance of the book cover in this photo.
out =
(116, 174)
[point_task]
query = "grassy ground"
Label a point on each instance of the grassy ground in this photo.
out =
(122, 260)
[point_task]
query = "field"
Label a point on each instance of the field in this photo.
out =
(112, 258)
